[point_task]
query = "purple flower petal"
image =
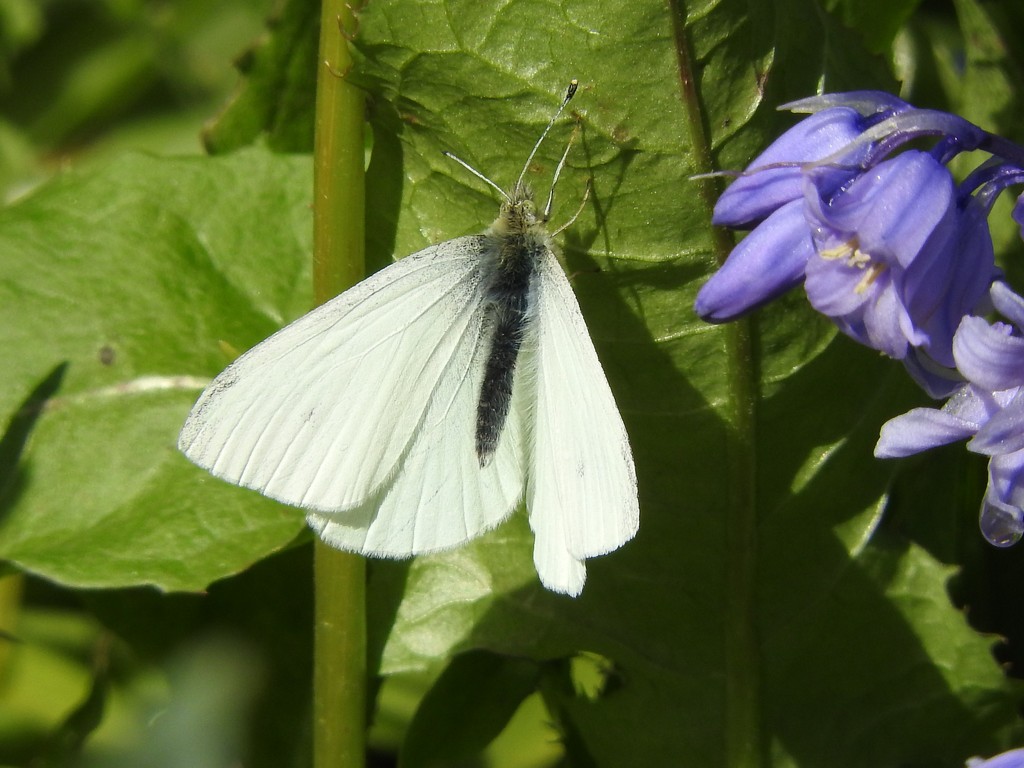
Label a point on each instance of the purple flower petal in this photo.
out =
(989, 355)
(832, 285)
(975, 405)
(887, 248)
(767, 262)
(775, 177)
(922, 428)
(1012, 759)
(861, 299)
(1007, 303)
(892, 210)
(1003, 432)
(889, 326)
(1002, 519)
(918, 430)
(1018, 214)
(949, 279)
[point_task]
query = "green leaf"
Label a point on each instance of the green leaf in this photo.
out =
(276, 96)
(133, 297)
(989, 95)
(20, 25)
(63, 670)
(991, 74)
(667, 609)
(879, 21)
(84, 80)
(466, 708)
(266, 611)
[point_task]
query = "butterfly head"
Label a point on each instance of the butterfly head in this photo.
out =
(519, 212)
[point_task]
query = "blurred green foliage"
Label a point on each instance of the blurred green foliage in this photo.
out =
(94, 78)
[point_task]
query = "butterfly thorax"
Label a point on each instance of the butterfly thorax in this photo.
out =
(515, 243)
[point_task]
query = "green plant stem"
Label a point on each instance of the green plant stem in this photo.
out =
(741, 648)
(339, 639)
(339, 661)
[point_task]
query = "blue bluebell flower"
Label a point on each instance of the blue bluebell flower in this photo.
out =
(899, 256)
(775, 177)
(988, 410)
(888, 246)
(900, 259)
(768, 262)
(768, 196)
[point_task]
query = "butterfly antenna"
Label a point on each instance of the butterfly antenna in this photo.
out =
(570, 222)
(569, 93)
(558, 172)
(476, 173)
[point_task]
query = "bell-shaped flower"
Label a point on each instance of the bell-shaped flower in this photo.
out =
(900, 257)
(772, 258)
(992, 356)
(775, 177)
(767, 263)
(874, 238)
(898, 261)
(989, 410)
(829, 136)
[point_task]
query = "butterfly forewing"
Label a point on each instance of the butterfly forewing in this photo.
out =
(582, 492)
(439, 495)
(321, 414)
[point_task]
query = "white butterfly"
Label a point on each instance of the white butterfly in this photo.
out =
(417, 409)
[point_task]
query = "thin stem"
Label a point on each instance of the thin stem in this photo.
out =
(339, 662)
(338, 183)
(743, 741)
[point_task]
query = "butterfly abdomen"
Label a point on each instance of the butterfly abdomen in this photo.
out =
(508, 315)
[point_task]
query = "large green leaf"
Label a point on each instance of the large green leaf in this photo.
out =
(702, 660)
(117, 289)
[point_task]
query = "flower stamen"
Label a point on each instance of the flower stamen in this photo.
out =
(872, 274)
(850, 250)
